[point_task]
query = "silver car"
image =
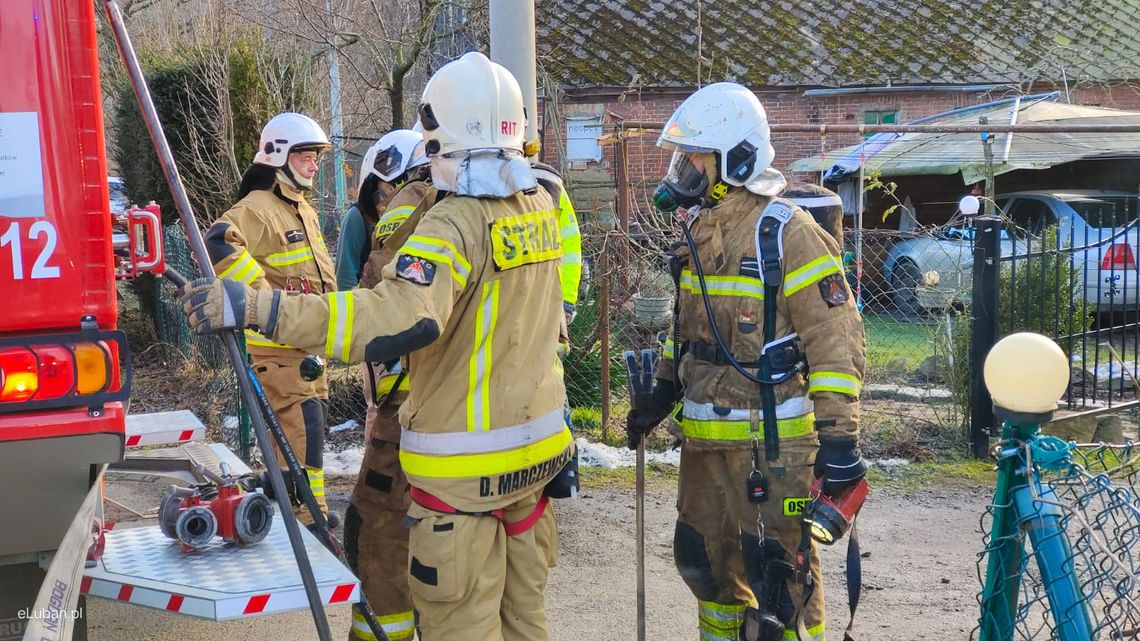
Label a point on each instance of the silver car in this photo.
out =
(1098, 228)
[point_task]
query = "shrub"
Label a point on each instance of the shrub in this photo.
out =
(1040, 291)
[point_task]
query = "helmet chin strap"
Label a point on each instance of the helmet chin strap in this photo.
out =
(286, 175)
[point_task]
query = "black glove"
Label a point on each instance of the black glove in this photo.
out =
(840, 462)
(649, 412)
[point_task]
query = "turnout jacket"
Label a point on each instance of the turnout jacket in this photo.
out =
(815, 309)
(271, 239)
(472, 298)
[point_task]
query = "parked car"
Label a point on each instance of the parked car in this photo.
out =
(119, 202)
(1098, 228)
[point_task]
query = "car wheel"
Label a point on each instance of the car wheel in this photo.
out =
(904, 280)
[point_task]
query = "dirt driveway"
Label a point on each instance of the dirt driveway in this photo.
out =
(919, 578)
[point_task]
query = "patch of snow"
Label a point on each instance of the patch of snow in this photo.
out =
(602, 455)
(230, 422)
(350, 424)
(345, 462)
(889, 464)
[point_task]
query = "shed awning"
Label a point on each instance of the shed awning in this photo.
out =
(913, 154)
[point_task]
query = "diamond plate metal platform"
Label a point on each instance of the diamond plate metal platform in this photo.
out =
(219, 582)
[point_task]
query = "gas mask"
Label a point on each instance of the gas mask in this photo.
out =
(684, 185)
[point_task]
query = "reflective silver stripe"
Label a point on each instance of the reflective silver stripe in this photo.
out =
(438, 248)
(479, 395)
(339, 339)
(571, 259)
(496, 440)
(724, 285)
(791, 408)
(805, 202)
(569, 230)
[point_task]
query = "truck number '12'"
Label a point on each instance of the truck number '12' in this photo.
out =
(40, 269)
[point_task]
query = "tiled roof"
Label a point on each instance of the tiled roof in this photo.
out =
(836, 43)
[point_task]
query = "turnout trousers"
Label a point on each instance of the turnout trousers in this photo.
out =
(470, 579)
(716, 522)
(375, 538)
(302, 408)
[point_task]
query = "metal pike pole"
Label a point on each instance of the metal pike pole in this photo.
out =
(640, 393)
(229, 339)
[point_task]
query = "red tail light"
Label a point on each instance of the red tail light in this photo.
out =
(57, 371)
(1118, 257)
(19, 375)
(87, 368)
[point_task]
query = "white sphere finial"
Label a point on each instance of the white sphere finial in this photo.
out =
(1026, 373)
(969, 205)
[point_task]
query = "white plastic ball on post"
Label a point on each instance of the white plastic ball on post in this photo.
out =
(1026, 374)
(969, 205)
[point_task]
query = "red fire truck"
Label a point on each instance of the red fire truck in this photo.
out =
(65, 371)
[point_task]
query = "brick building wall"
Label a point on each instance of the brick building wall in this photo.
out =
(647, 162)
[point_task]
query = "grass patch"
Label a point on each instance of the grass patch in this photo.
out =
(955, 474)
(656, 476)
(587, 421)
(900, 342)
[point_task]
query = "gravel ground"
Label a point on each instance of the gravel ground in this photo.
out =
(919, 573)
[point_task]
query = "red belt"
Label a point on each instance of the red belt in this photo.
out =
(432, 502)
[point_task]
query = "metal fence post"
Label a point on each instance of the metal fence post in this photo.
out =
(984, 328)
(604, 335)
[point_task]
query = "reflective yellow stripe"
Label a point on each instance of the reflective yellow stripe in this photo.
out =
(384, 385)
(442, 251)
(456, 466)
(719, 620)
(244, 270)
(401, 625)
(338, 339)
(391, 221)
(667, 349)
(815, 632)
(742, 430)
(500, 439)
(724, 285)
(834, 382)
(479, 366)
(291, 257)
(811, 273)
(259, 340)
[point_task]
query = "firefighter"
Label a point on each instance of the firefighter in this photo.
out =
(389, 157)
(824, 205)
(271, 240)
(375, 539)
(473, 303)
(740, 494)
(570, 270)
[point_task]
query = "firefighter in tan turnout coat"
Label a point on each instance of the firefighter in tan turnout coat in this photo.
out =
(784, 312)
(472, 301)
(271, 239)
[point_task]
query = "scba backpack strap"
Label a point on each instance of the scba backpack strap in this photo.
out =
(769, 259)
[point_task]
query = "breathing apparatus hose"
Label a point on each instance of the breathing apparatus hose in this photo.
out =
(771, 443)
(775, 380)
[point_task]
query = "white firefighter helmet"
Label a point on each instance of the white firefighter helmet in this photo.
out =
(472, 103)
(392, 156)
(288, 132)
(728, 120)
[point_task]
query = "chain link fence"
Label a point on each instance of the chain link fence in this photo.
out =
(914, 291)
